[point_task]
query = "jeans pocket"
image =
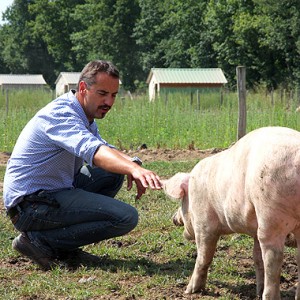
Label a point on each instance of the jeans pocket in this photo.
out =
(37, 217)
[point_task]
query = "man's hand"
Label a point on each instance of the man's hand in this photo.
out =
(143, 179)
(118, 162)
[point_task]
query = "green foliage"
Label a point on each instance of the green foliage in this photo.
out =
(49, 37)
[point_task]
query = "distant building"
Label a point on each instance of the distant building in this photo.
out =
(21, 81)
(65, 82)
(167, 80)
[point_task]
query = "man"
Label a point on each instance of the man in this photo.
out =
(57, 202)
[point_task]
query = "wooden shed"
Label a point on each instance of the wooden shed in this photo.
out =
(65, 82)
(22, 81)
(165, 80)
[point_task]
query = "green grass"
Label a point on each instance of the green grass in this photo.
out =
(176, 123)
(153, 256)
(153, 261)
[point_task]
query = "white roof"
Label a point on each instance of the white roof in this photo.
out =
(68, 77)
(187, 75)
(22, 79)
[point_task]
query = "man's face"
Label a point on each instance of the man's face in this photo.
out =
(99, 97)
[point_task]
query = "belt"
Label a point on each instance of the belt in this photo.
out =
(40, 196)
(13, 212)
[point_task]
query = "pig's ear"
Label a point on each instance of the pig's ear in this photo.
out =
(185, 183)
(177, 186)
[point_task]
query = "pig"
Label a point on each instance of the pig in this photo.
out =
(251, 188)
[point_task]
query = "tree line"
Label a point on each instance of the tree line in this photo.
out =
(50, 36)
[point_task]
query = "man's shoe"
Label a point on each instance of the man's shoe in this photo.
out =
(23, 245)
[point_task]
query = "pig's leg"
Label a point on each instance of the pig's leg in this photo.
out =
(297, 237)
(259, 268)
(272, 254)
(206, 247)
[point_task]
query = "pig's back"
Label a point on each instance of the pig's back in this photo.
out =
(260, 172)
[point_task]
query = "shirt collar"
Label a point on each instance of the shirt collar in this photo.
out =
(78, 108)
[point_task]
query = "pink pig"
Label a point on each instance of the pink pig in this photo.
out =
(251, 188)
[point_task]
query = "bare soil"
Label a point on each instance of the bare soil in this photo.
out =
(288, 281)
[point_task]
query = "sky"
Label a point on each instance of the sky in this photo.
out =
(3, 5)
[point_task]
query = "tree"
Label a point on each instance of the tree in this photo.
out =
(148, 33)
(107, 34)
(53, 26)
(280, 33)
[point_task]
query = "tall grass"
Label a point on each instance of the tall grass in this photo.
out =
(173, 122)
(16, 112)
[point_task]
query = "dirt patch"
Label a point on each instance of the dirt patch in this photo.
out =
(154, 155)
(149, 155)
(4, 156)
(171, 155)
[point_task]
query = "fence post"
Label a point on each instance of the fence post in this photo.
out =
(6, 101)
(221, 96)
(241, 88)
(191, 102)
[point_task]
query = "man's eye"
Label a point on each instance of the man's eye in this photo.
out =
(101, 93)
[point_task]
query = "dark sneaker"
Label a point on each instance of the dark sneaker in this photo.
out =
(23, 245)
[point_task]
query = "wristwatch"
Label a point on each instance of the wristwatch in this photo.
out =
(137, 160)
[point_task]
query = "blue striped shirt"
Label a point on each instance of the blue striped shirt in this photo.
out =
(51, 149)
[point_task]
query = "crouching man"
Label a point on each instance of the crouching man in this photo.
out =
(52, 197)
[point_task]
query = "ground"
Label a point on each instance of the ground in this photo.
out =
(153, 155)
(168, 154)
(147, 155)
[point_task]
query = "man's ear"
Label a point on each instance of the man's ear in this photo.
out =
(82, 87)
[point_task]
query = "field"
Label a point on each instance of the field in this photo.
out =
(153, 261)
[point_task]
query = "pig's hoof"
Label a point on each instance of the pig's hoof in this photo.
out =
(290, 241)
(192, 289)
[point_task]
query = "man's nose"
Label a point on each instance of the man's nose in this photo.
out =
(109, 100)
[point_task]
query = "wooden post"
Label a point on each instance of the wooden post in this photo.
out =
(221, 97)
(6, 101)
(241, 89)
(198, 100)
(272, 96)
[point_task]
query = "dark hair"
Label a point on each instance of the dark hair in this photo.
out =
(89, 72)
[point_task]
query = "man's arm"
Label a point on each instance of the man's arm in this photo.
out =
(115, 161)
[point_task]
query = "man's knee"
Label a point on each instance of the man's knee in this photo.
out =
(131, 218)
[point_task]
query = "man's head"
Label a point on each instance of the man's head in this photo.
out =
(97, 88)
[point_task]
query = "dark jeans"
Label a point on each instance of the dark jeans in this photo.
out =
(86, 214)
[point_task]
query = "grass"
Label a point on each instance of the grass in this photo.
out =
(146, 259)
(176, 123)
(153, 261)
